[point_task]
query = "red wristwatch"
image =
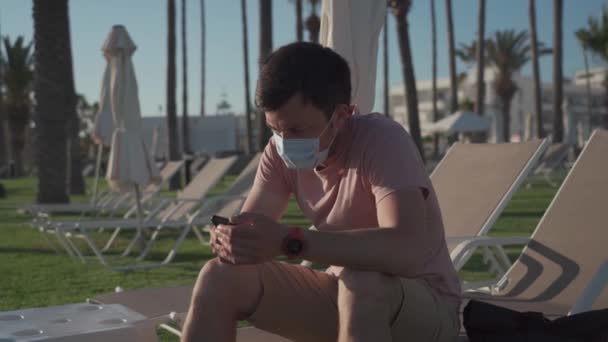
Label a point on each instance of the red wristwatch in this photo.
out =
(293, 243)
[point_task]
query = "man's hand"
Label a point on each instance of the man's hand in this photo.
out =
(252, 239)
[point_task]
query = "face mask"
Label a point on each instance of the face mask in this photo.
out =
(302, 153)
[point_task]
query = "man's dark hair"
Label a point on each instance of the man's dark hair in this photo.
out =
(318, 73)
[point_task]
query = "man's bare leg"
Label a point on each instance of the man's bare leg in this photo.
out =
(367, 304)
(222, 295)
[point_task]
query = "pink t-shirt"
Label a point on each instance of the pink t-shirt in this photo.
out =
(375, 157)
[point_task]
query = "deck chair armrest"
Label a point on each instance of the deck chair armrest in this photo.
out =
(184, 199)
(592, 291)
(202, 215)
(213, 199)
(464, 247)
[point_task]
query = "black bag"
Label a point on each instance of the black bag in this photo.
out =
(485, 322)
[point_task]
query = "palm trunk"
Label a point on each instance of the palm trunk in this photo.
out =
(479, 98)
(481, 64)
(299, 23)
(434, 77)
(385, 64)
(3, 138)
(506, 119)
(558, 123)
(171, 105)
(250, 147)
(4, 153)
(540, 131)
(51, 32)
(185, 121)
(265, 50)
(203, 47)
(313, 23)
(410, 82)
(452, 58)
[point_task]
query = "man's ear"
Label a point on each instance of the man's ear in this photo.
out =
(343, 114)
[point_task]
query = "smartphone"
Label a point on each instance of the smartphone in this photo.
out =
(217, 220)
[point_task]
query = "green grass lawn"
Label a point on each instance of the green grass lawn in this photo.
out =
(33, 275)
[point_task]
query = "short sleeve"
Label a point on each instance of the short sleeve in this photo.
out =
(391, 162)
(272, 172)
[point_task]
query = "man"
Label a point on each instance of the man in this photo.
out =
(360, 180)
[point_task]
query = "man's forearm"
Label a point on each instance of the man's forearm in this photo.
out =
(386, 250)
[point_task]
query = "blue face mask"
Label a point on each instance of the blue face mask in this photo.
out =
(301, 153)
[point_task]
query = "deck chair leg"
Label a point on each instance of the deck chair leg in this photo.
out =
(61, 242)
(74, 248)
(95, 250)
(111, 240)
(199, 235)
(502, 255)
(491, 260)
(149, 244)
(171, 330)
(464, 260)
(177, 245)
(48, 241)
(131, 244)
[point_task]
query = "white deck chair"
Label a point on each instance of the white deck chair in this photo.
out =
(107, 202)
(474, 183)
(552, 161)
(169, 214)
(108, 205)
(227, 204)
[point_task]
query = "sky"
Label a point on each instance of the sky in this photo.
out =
(91, 21)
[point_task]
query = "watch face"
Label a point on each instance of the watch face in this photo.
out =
(294, 246)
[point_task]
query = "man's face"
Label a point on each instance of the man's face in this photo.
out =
(297, 119)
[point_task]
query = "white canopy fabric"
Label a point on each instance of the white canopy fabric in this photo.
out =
(130, 164)
(104, 125)
(459, 122)
(351, 28)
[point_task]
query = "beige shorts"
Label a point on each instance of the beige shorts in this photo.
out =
(300, 304)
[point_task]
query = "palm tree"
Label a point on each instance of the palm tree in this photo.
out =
(3, 129)
(508, 51)
(540, 131)
(249, 147)
(299, 23)
(452, 58)
(185, 121)
(203, 43)
(51, 37)
(313, 22)
(594, 39)
(434, 81)
(171, 105)
(481, 19)
(558, 123)
(400, 9)
(385, 63)
(265, 50)
(18, 77)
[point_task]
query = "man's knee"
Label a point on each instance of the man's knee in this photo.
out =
(369, 288)
(221, 279)
(227, 283)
